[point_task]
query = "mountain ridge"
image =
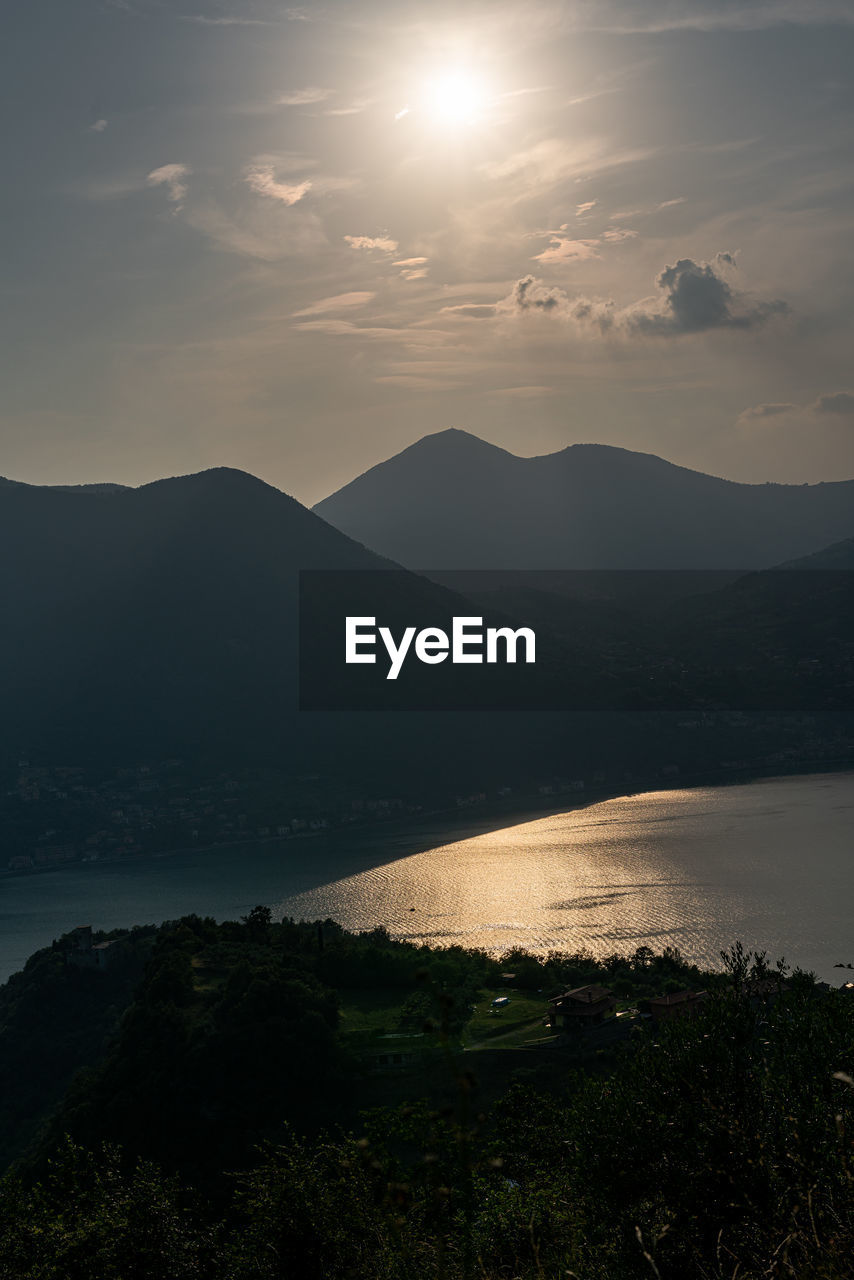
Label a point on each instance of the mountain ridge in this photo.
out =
(453, 501)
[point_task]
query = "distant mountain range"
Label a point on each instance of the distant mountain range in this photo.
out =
(452, 501)
(163, 620)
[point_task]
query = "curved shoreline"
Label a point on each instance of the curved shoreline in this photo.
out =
(466, 822)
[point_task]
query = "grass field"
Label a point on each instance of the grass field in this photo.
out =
(519, 1021)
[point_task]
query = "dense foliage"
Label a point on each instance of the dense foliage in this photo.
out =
(54, 1019)
(219, 1137)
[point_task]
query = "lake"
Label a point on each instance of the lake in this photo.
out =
(770, 863)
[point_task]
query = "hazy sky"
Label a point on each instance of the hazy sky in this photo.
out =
(294, 240)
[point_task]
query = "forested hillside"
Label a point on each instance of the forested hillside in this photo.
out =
(231, 1129)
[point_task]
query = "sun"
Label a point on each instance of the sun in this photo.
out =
(455, 97)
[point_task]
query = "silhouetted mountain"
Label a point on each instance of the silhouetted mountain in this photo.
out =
(454, 501)
(838, 556)
(146, 614)
(163, 621)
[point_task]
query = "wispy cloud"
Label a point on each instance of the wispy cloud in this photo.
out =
(761, 412)
(98, 127)
(336, 303)
(550, 162)
(380, 244)
(563, 249)
(412, 268)
(172, 177)
(522, 393)
(302, 97)
(265, 232)
(261, 179)
(417, 382)
(397, 336)
(650, 17)
(225, 20)
(353, 108)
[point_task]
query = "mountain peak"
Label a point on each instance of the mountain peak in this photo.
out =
(451, 500)
(456, 441)
(215, 482)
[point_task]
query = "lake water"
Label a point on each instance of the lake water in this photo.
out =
(770, 863)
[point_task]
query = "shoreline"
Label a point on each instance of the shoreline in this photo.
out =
(463, 824)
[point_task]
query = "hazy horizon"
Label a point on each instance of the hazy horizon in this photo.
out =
(369, 466)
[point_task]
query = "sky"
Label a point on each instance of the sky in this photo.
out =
(295, 239)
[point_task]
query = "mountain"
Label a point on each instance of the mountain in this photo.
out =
(838, 556)
(166, 621)
(452, 501)
(152, 617)
(163, 621)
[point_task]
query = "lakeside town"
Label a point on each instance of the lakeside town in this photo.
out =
(63, 814)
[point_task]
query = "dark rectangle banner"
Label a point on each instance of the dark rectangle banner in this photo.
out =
(673, 640)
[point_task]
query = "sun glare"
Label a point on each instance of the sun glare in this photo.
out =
(455, 97)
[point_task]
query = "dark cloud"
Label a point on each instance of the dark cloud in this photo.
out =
(696, 298)
(693, 297)
(531, 294)
(841, 402)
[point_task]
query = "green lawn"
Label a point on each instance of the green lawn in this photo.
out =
(519, 1021)
(372, 1016)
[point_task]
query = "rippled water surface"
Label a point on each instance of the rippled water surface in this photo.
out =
(770, 863)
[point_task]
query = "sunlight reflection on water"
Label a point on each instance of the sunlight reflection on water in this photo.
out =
(769, 863)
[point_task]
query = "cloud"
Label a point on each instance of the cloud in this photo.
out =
(416, 382)
(302, 97)
(616, 235)
(827, 405)
(98, 127)
(261, 178)
(759, 412)
(412, 268)
(652, 17)
(835, 402)
(399, 335)
(474, 310)
(384, 244)
(354, 108)
(203, 20)
(522, 393)
(550, 162)
(534, 296)
(581, 209)
(170, 176)
(670, 204)
(259, 231)
(563, 249)
(694, 298)
(335, 303)
(530, 294)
